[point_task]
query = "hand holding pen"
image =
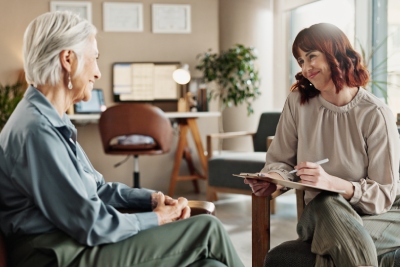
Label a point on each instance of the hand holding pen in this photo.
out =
(313, 174)
(317, 162)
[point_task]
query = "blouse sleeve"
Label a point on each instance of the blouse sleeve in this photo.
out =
(281, 155)
(375, 193)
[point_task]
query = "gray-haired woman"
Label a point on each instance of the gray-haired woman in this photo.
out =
(56, 209)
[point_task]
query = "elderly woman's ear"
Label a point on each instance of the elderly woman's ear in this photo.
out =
(67, 58)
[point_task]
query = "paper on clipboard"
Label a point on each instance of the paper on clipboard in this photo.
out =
(286, 183)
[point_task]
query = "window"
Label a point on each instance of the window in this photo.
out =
(393, 55)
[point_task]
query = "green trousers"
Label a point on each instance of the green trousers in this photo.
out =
(197, 241)
(341, 237)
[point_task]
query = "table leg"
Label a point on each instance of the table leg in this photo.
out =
(183, 151)
(183, 129)
(197, 141)
(192, 170)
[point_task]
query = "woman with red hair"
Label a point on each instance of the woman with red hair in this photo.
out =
(329, 114)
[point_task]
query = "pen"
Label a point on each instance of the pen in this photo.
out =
(318, 162)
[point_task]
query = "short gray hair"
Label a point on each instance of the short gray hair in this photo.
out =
(45, 38)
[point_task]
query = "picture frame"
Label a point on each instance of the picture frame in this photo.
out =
(81, 8)
(122, 17)
(171, 18)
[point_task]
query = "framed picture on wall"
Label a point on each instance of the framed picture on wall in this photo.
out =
(168, 18)
(81, 8)
(122, 17)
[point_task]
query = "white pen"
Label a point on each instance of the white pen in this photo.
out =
(318, 162)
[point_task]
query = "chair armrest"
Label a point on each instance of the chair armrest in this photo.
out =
(261, 223)
(226, 135)
(261, 226)
(201, 207)
(3, 253)
(196, 206)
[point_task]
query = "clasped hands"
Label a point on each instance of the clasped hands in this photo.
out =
(169, 209)
(309, 173)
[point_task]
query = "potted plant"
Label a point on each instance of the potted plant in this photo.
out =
(235, 75)
(10, 95)
(380, 69)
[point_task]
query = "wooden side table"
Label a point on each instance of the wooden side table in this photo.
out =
(187, 121)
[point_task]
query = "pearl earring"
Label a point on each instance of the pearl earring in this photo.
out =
(69, 82)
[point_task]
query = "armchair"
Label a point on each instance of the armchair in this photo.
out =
(261, 227)
(220, 179)
(222, 166)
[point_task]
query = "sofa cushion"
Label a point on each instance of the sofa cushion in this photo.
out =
(221, 167)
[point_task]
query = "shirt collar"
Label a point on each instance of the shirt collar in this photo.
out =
(36, 98)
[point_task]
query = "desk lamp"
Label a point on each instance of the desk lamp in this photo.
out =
(182, 76)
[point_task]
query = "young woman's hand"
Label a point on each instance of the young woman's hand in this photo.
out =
(313, 174)
(260, 188)
(263, 188)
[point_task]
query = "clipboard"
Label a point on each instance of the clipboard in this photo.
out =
(286, 183)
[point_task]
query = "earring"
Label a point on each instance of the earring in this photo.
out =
(311, 84)
(69, 82)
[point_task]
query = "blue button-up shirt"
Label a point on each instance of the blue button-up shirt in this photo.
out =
(47, 182)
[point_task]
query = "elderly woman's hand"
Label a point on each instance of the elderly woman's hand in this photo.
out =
(170, 210)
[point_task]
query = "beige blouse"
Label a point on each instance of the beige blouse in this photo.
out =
(360, 140)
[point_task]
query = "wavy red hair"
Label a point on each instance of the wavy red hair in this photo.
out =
(345, 63)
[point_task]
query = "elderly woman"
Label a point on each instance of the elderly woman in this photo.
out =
(329, 115)
(56, 209)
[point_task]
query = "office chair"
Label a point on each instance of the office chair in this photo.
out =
(135, 129)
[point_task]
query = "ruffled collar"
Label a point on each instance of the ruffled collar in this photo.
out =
(343, 109)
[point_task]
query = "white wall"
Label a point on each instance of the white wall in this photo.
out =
(15, 16)
(249, 23)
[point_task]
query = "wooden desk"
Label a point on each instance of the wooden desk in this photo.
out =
(84, 118)
(187, 121)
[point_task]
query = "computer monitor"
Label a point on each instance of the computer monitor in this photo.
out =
(94, 105)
